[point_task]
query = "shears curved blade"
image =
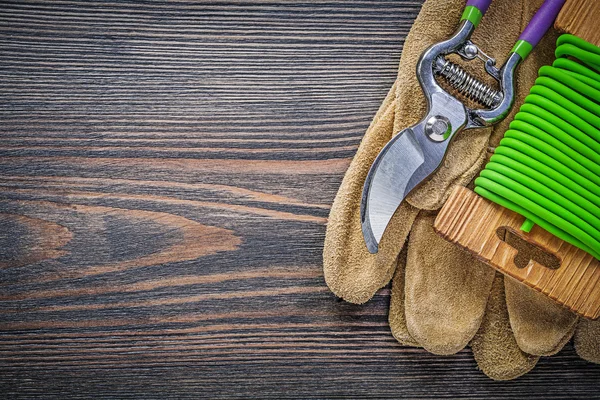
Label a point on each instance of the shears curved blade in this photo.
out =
(405, 162)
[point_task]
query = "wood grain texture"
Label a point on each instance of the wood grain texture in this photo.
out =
(492, 234)
(166, 171)
(580, 18)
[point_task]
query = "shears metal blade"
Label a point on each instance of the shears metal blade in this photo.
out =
(388, 184)
(405, 162)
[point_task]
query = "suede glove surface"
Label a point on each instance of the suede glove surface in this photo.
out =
(442, 298)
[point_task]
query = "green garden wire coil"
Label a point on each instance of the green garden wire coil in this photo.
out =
(547, 166)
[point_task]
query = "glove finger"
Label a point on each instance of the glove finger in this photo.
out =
(351, 272)
(587, 340)
(494, 346)
(397, 317)
(446, 290)
(541, 326)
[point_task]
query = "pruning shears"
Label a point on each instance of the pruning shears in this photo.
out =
(415, 153)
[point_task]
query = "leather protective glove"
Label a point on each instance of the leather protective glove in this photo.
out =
(442, 298)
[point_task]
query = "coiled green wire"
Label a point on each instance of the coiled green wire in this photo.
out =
(547, 167)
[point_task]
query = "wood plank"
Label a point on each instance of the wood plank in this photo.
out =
(580, 18)
(538, 259)
(166, 171)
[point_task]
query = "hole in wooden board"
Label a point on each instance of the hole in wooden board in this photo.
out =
(527, 251)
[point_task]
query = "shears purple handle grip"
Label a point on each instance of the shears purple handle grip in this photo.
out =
(532, 34)
(541, 21)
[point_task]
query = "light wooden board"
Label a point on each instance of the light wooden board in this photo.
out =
(486, 229)
(580, 18)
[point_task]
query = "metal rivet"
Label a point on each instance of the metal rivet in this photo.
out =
(437, 128)
(471, 51)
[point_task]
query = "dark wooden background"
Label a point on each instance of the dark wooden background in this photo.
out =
(166, 170)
